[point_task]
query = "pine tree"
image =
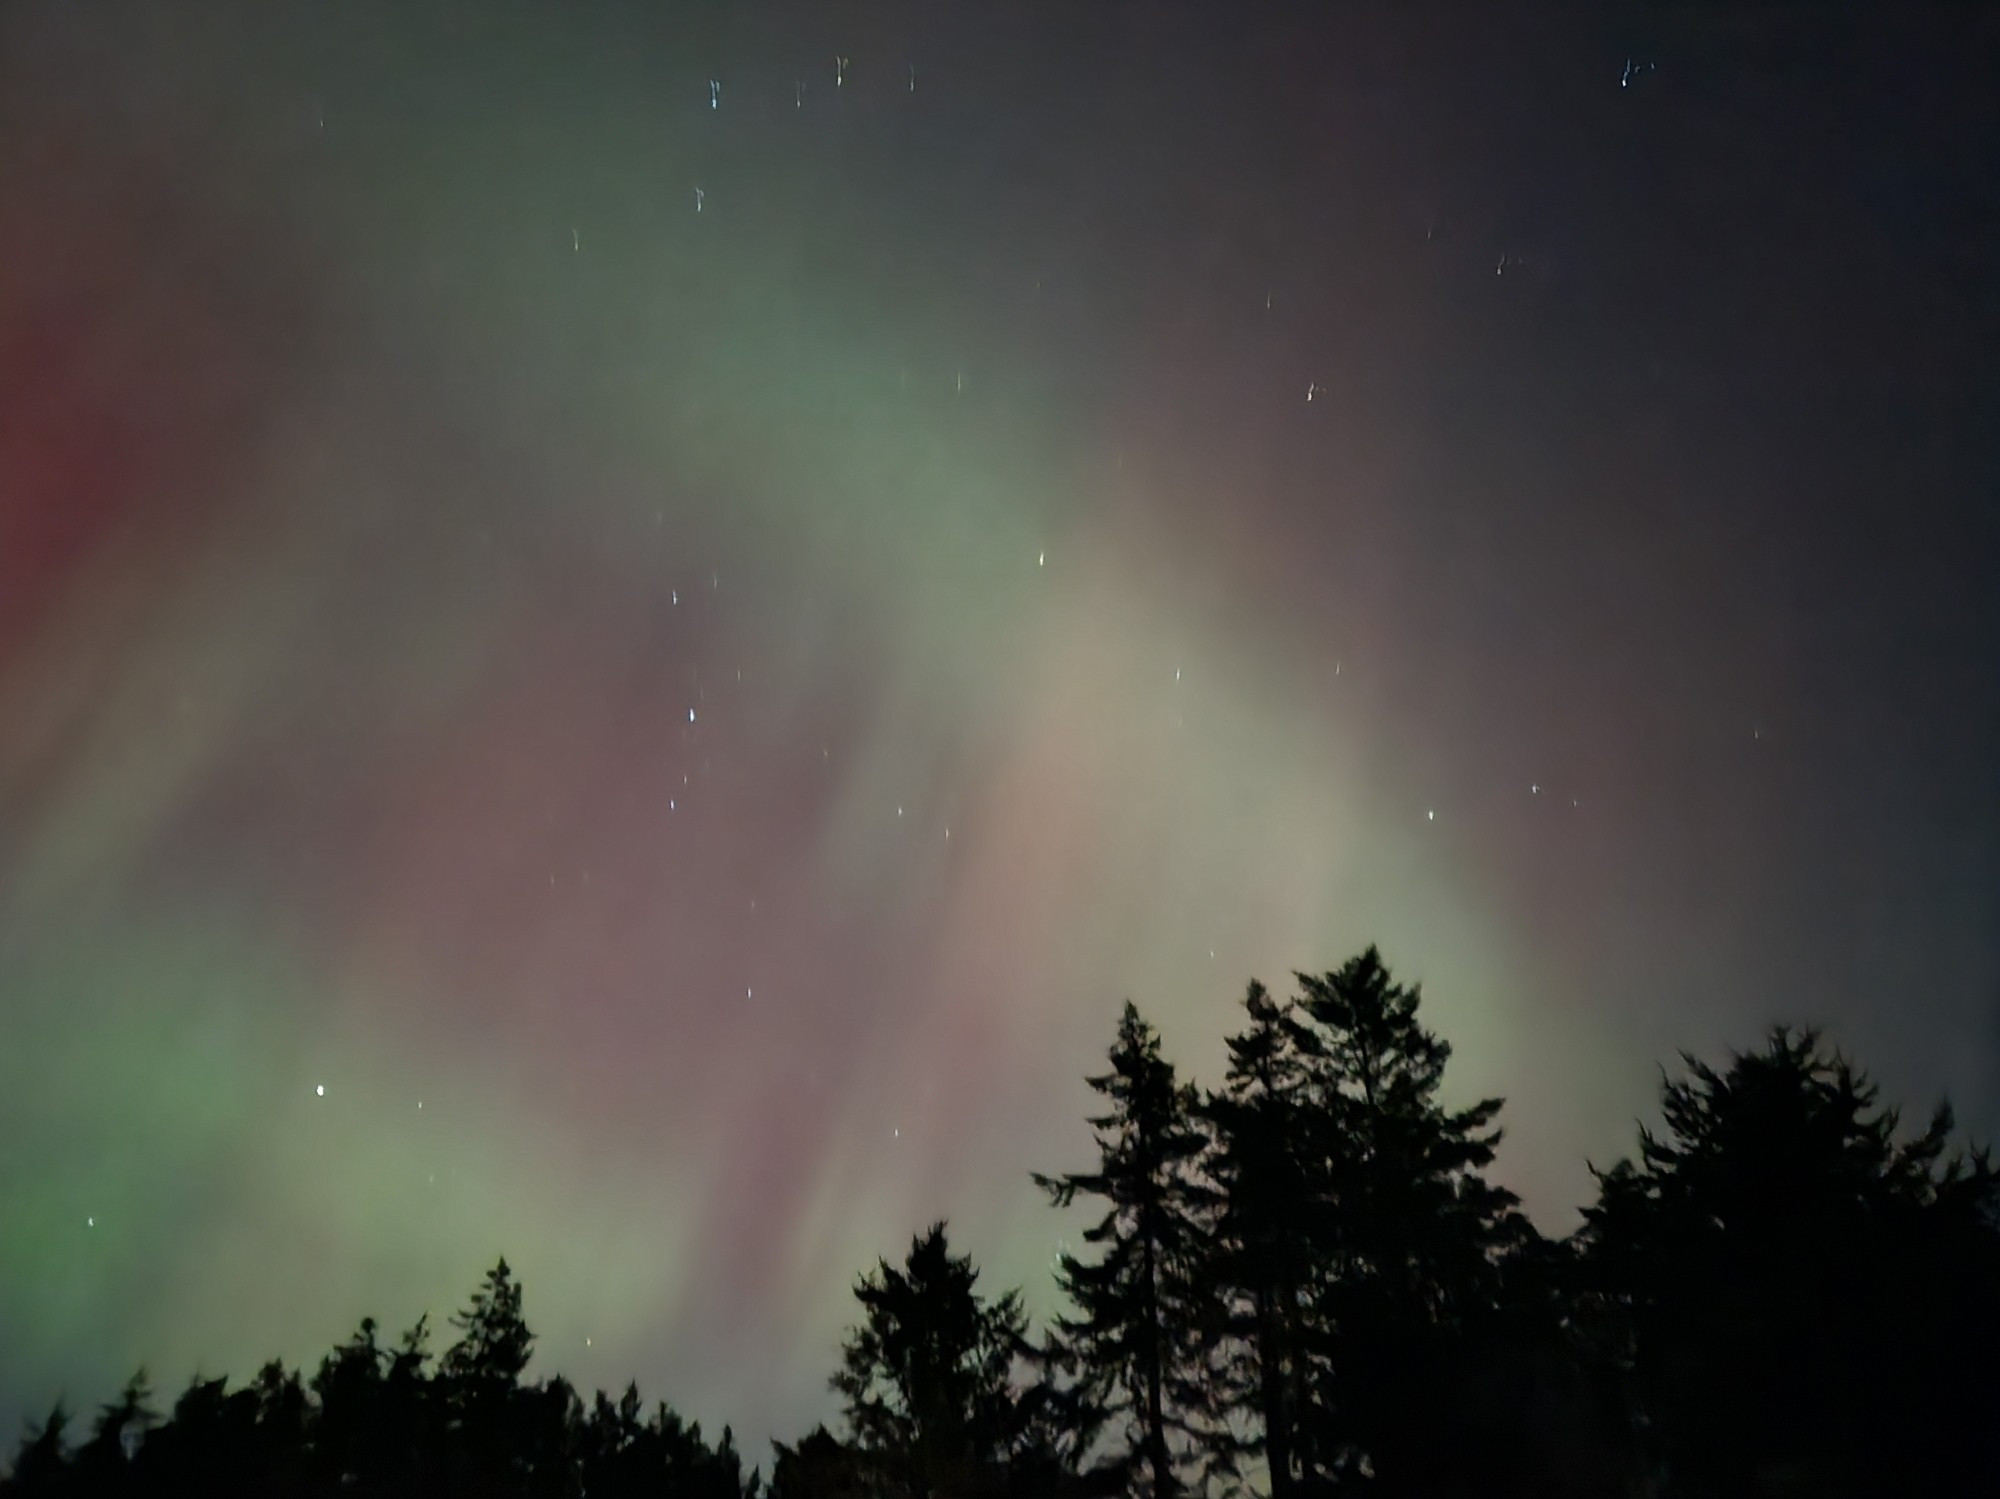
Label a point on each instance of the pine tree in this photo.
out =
(41, 1463)
(1408, 1237)
(1134, 1336)
(1805, 1293)
(494, 1343)
(488, 1440)
(819, 1466)
(103, 1464)
(1259, 1264)
(926, 1377)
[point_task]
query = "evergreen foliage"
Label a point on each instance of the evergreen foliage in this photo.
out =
(1301, 1284)
(1408, 1237)
(1798, 1286)
(926, 1379)
(1259, 1269)
(1135, 1335)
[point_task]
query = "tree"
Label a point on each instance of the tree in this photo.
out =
(1134, 1337)
(494, 1343)
(1807, 1296)
(1061, 1418)
(820, 1466)
(104, 1463)
(208, 1445)
(1260, 1254)
(489, 1440)
(41, 1462)
(623, 1455)
(1411, 1237)
(926, 1376)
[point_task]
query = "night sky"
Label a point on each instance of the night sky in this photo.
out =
(624, 626)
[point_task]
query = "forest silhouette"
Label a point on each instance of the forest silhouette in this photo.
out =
(1301, 1283)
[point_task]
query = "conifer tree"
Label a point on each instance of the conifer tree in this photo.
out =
(926, 1377)
(818, 1466)
(1259, 1265)
(1408, 1237)
(494, 1343)
(480, 1374)
(41, 1462)
(1806, 1293)
(1134, 1336)
(103, 1464)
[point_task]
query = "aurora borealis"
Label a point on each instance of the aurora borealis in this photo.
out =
(679, 651)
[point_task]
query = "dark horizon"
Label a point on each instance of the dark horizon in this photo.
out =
(1301, 1283)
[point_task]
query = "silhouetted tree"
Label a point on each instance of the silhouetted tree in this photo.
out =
(479, 1381)
(820, 1466)
(1259, 1264)
(207, 1445)
(284, 1412)
(1134, 1337)
(348, 1436)
(623, 1454)
(1062, 1417)
(103, 1465)
(41, 1462)
(378, 1423)
(1409, 1235)
(926, 1378)
(494, 1342)
(1358, 1241)
(1807, 1296)
(1784, 1293)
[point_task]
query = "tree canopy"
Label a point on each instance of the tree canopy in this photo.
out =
(1301, 1283)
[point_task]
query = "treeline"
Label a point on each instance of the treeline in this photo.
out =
(1300, 1283)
